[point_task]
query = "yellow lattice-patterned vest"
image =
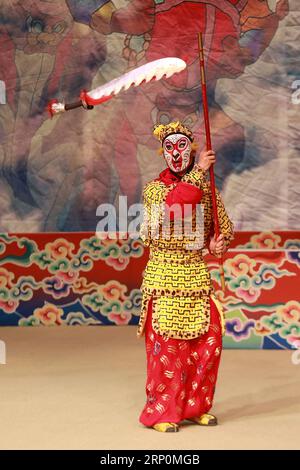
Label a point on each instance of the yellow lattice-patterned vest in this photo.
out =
(176, 276)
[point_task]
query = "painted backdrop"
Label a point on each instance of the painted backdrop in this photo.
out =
(76, 279)
(55, 173)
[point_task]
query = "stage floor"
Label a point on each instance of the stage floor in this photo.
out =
(83, 388)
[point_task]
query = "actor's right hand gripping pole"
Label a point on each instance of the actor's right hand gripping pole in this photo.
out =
(209, 147)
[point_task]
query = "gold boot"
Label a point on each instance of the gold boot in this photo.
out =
(166, 427)
(205, 420)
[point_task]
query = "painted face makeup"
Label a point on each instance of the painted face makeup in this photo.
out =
(177, 152)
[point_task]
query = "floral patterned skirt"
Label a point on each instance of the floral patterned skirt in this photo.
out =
(181, 374)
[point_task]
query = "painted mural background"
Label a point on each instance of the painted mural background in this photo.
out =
(77, 279)
(55, 173)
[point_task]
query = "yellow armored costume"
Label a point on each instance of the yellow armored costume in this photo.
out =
(176, 276)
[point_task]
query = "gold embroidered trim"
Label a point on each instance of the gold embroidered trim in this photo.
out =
(143, 317)
(181, 317)
(180, 292)
(177, 257)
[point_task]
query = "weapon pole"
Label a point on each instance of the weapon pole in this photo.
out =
(209, 147)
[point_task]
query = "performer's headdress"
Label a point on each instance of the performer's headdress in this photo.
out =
(161, 131)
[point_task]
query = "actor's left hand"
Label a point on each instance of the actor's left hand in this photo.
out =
(217, 245)
(206, 159)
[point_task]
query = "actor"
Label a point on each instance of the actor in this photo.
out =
(181, 319)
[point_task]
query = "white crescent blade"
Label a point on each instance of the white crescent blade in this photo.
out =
(156, 69)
